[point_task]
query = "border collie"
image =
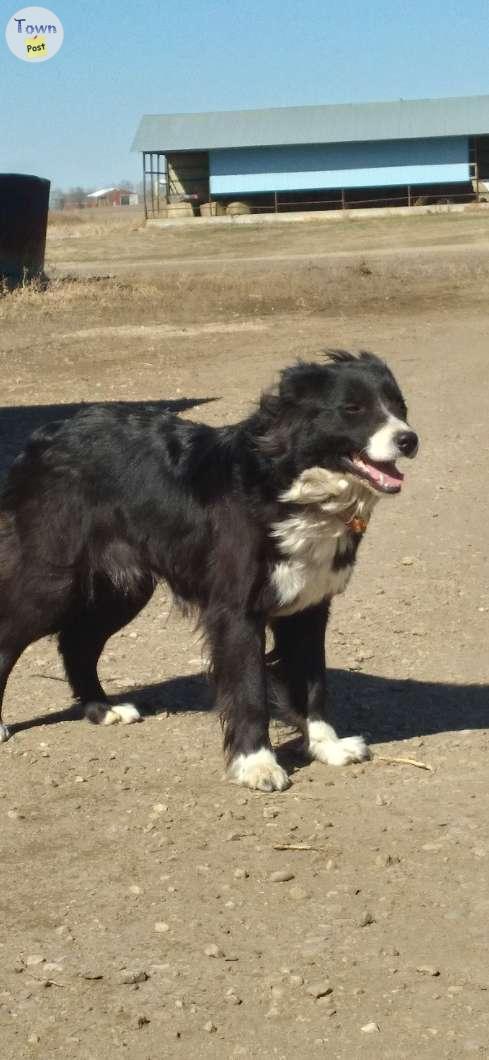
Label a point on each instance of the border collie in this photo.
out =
(255, 525)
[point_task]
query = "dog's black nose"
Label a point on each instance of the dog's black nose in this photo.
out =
(407, 442)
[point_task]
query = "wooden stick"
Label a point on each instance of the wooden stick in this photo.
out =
(293, 846)
(403, 761)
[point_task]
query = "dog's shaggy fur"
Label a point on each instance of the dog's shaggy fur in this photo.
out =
(254, 525)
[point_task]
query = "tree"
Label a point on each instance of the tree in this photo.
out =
(57, 199)
(76, 197)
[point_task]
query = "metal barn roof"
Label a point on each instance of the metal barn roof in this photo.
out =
(98, 194)
(339, 123)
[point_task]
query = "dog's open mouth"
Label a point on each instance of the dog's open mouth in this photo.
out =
(382, 475)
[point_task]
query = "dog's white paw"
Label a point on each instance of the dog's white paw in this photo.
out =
(4, 734)
(100, 714)
(126, 713)
(259, 771)
(326, 746)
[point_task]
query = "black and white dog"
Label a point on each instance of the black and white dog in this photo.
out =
(255, 525)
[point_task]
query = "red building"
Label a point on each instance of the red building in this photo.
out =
(113, 197)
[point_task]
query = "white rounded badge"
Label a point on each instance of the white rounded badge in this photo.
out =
(34, 34)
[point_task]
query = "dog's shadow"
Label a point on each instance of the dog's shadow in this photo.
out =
(380, 708)
(19, 421)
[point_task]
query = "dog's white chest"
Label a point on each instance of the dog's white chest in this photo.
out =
(313, 566)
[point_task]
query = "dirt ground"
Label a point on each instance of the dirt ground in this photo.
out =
(139, 914)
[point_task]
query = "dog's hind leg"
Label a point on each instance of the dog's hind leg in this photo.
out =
(81, 642)
(8, 658)
(20, 625)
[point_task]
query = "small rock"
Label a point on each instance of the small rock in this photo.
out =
(366, 919)
(386, 860)
(161, 927)
(319, 989)
(298, 893)
(133, 977)
(241, 874)
(281, 876)
(213, 951)
(91, 973)
(407, 561)
(327, 1006)
(210, 1027)
(232, 997)
(370, 1028)
(428, 969)
(142, 1021)
(34, 959)
(33, 1039)
(269, 813)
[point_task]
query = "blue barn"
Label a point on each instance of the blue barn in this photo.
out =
(321, 157)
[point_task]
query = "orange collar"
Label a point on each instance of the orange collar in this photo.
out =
(356, 524)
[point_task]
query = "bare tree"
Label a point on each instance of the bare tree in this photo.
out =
(76, 197)
(57, 199)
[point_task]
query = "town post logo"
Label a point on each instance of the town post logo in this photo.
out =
(34, 34)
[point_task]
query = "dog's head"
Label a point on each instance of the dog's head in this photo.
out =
(346, 415)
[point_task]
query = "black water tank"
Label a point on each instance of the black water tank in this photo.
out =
(24, 202)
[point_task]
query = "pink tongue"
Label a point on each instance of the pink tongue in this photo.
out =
(384, 474)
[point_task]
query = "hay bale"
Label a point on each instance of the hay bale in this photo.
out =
(180, 209)
(212, 209)
(234, 209)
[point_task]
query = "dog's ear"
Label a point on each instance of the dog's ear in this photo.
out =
(302, 381)
(371, 358)
(339, 356)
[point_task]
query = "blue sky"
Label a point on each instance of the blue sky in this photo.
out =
(72, 119)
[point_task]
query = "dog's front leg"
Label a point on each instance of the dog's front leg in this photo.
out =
(237, 644)
(300, 652)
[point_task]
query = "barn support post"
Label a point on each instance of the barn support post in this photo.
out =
(145, 188)
(476, 170)
(158, 184)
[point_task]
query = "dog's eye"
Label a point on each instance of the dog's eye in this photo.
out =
(354, 410)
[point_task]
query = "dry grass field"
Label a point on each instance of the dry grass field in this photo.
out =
(139, 915)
